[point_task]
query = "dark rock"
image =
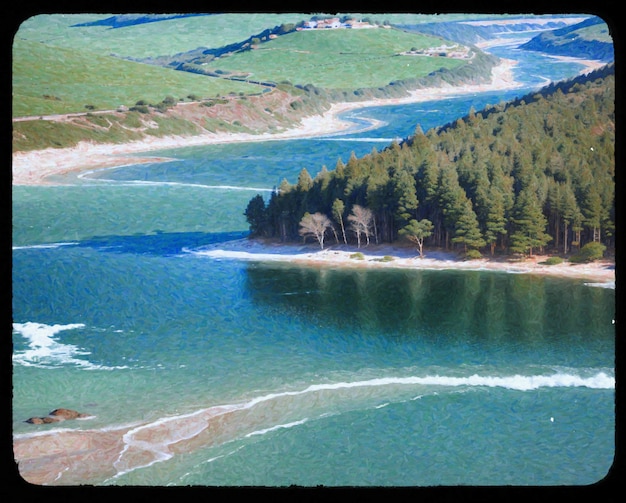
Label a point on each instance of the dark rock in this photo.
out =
(56, 415)
(66, 414)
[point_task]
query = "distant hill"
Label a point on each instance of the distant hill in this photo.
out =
(588, 39)
(475, 32)
(124, 20)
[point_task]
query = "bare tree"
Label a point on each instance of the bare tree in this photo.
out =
(314, 225)
(338, 208)
(360, 222)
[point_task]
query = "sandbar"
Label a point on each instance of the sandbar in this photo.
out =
(600, 273)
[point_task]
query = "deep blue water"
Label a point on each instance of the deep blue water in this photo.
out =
(328, 376)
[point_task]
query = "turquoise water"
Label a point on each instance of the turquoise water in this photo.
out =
(327, 376)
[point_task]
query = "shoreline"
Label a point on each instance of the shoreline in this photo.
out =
(35, 166)
(397, 256)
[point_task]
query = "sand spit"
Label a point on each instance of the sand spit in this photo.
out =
(601, 273)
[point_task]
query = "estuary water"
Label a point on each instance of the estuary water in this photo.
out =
(220, 372)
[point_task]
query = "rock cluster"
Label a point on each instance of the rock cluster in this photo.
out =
(55, 416)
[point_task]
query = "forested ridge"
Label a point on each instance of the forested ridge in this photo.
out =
(536, 174)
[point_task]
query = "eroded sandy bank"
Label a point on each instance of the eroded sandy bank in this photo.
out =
(34, 167)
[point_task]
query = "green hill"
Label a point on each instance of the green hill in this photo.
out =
(84, 63)
(53, 80)
(166, 36)
(61, 63)
(338, 59)
(589, 39)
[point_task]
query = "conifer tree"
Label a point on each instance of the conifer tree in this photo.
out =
(404, 194)
(322, 178)
(451, 199)
(570, 213)
(256, 215)
(592, 211)
(416, 232)
(495, 226)
(339, 171)
(530, 224)
(467, 231)
(537, 169)
(305, 182)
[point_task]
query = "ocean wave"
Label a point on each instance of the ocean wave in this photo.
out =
(155, 183)
(362, 139)
(216, 425)
(44, 246)
(277, 427)
(606, 284)
(44, 351)
(515, 382)
(197, 185)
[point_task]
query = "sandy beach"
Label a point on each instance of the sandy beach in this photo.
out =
(34, 167)
(600, 273)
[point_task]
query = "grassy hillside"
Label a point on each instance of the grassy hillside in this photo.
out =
(79, 63)
(64, 63)
(338, 59)
(169, 36)
(268, 112)
(49, 80)
(477, 30)
(589, 39)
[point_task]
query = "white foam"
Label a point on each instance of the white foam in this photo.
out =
(516, 382)
(277, 427)
(363, 139)
(155, 183)
(198, 185)
(45, 433)
(606, 284)
(45, 351)
(44, 246)
(170, 430)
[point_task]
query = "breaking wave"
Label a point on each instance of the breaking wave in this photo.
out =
(45, 350)
(44, 246)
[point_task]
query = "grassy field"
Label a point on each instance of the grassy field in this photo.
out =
(62, 68)
(58, 67)
(151, 39)
(597, 32)
(338, 59)
(49, 80)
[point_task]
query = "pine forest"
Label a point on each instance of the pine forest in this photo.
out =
(533, 175)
